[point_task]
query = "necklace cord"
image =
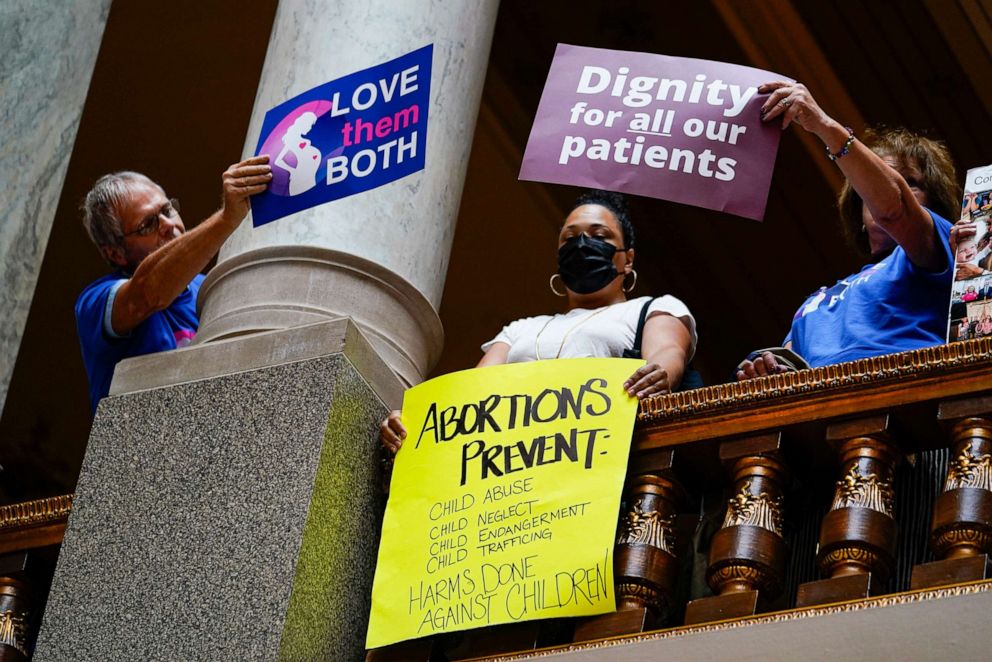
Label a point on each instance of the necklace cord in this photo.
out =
(561, 346)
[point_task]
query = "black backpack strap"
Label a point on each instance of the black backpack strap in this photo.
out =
(635, 351)
(690, 378)
(639, 336)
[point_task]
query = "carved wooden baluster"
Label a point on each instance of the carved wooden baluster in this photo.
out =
(13, 620)
(858, 535)
(747, 555)
(645, 564)
(961, 530)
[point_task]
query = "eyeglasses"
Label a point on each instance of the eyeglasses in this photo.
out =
(150, 225)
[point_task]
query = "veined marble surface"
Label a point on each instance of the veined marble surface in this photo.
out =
(407, 225)
(49, 50)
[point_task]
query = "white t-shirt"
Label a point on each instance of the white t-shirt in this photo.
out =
(581, 333)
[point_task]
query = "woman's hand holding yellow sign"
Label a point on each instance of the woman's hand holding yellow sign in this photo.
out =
(504, 498)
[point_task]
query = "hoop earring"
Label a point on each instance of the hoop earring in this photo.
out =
(551, 283)
(633, 284)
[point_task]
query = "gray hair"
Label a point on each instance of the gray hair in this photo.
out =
(102, 205)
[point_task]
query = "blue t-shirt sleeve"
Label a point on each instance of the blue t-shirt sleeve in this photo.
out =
(99, 348)
(93, 309)
(108, 312)
(943, 229)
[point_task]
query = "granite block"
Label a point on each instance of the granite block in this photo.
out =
(213, 514)
(328, 612)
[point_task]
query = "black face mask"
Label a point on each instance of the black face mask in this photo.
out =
(586, 264)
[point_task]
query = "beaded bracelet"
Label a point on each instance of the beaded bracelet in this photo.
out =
(845, 149)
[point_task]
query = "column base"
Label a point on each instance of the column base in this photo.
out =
(722, 607)
(836, 589)
(950, 571)
(282, 287)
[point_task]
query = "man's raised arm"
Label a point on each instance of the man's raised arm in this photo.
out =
(161, 275)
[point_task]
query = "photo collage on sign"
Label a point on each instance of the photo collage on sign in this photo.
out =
(971, 295)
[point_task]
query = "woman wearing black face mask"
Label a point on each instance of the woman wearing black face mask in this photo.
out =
(595, 273)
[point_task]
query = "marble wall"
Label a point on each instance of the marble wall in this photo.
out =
(49, 50)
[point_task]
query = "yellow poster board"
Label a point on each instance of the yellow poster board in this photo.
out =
(504, 498)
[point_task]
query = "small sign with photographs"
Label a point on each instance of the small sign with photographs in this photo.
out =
(971, 294)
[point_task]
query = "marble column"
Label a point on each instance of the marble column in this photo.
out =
(49, 50)
(379, 257)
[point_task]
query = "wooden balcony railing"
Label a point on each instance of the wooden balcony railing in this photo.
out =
(788, 491)
(30, 533)
(833, 469)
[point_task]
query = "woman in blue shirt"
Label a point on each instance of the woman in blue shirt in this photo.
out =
(900, 188)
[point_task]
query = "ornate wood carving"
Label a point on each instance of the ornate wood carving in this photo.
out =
(34, 513)
(970, 468)
(858, 490)
(858, 534)
(13, 620)
(641, 593)
(645, 526)
(645, 552)
(962, 516)
(748, 553)
(748, 509)
(34, 524)
(854, 375)
(644, 561)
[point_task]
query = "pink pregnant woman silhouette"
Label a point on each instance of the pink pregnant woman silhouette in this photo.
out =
(303, 174)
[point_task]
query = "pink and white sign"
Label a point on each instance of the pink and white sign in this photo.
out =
(672, 128)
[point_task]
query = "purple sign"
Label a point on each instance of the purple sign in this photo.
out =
(350, 135)
(672, 128)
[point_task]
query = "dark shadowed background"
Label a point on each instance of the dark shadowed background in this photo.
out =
(174, 86)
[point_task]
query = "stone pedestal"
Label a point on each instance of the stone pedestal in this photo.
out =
(229, 505)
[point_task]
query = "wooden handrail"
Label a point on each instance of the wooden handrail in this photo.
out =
(731, 434)
(24, 528)
(33, 524)
(819, 394)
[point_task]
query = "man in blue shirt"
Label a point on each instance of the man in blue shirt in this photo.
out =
(149, 303)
